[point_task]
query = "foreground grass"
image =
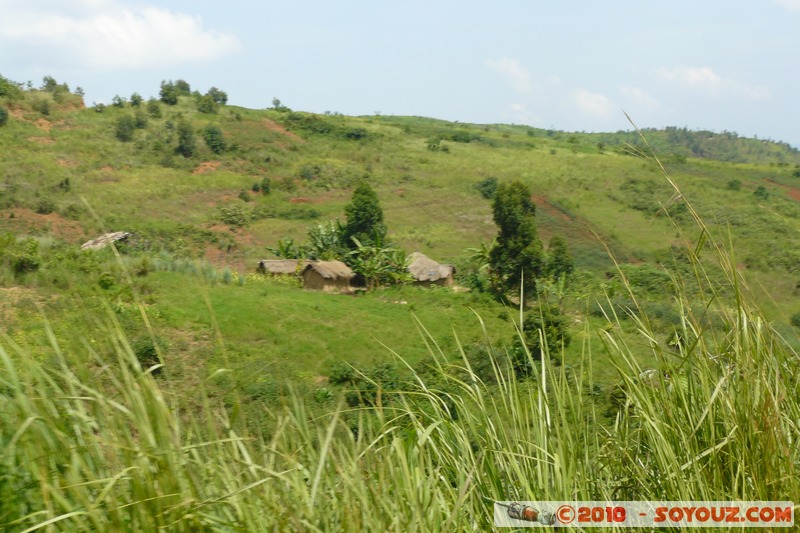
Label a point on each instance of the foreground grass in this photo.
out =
(91, 444)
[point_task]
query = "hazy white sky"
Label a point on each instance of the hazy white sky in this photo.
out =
(572, 65)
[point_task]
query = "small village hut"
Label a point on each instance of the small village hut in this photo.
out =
(327, 276)
(428, 272)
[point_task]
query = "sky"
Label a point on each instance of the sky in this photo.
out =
(731, 65)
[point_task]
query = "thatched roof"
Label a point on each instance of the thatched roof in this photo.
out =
(330, 269)
(423, 268)
(104, 240)
(280, 266)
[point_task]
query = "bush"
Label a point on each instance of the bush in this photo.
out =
(168, 93)
(45, 206)
(734, 185)
(186, 142)
(553, 325)
(124, 128)
(214, 139)
(154, 108)
(761, 192)
(487, 187)
(234, 215)
(266, 186)
(219, 97)
(3, 116)
(206, 104)
(146, 352)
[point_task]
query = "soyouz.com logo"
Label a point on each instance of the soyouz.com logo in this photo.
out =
(727, 514)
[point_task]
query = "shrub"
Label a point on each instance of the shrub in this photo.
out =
(234, 215)
(487, 187)
(124, 128)
(734, 185)
(218, 96)
(146, 351)
(553, 327)
(168, 93)
(140, 119)
(154, 108)
(214, 139)
(761, 192)
(106, 281)
(3, 116)
(206, 104)
(186, 142)
(45, 206)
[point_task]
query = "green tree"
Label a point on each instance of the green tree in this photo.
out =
(49, 84)
(136, 100)
(186, 141)
(10, 89)
(364, 219)
(206, 104)
(544, 324)
(125, 126)
(168, 93)
(140, 118)
(516, 259)
(154, 108)
(219, 97)
(118, 101)
(3, 116)
(559, 260)
(214, 138)
(183, 88)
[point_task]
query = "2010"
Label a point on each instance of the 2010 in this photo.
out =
(601, 514)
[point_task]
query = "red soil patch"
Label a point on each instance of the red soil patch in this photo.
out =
(791, 192)
(208, 166)
(28, 221)
(551, 209)
(274, 126)
(43, 124)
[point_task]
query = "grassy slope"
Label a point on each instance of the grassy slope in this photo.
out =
(428, 197)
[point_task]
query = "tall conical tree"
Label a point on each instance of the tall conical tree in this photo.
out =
(516, 259)
(363, 219)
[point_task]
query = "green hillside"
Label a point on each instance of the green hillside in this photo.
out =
(664, 272)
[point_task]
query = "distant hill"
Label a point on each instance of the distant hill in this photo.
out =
(671, 141)
(725, 146)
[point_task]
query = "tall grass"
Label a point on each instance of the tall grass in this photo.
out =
(92, 443)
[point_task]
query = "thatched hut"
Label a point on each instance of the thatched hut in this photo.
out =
(104, 240)
(281, 267)
(327, 276)
(428, 272)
